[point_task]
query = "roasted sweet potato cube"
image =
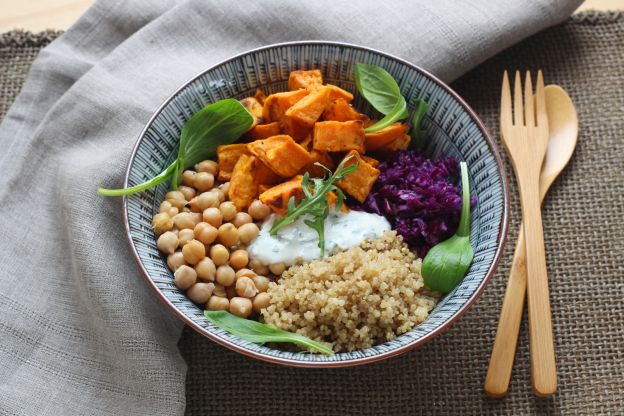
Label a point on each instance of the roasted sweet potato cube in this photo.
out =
(371, 161)
(255, 109)
(275, 105)
(332, 198)
(307, 142)
(380, 138)
(341, 110)
(399, 143)
(243, 187)
(304, 79)
(227, 156)
(321, 157)
(339, 136)
(309, 109)
(263, 188)
(263, 131)
(281, 154)
(294, 129)
(359, 182)
(278, 196)
(259, 96)
(337, 92)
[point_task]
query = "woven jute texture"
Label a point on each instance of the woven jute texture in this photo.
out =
(584, 233)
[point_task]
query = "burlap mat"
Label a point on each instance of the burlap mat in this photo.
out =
(584, 227)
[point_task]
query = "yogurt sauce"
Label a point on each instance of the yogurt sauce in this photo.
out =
(300, 241)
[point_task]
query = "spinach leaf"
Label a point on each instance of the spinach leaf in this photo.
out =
(219, 123)
(260, 333)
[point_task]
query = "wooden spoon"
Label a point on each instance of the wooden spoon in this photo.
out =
(563, 134)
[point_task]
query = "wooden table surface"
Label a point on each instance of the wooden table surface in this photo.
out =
(38, 15)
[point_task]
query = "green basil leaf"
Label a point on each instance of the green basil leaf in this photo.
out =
(416, 132)
(396, 114)
(379, 88)
(259, 333)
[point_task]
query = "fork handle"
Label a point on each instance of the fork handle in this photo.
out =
(542, 347)
(504, 350)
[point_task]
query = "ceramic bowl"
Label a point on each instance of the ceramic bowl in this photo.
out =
(452, 127)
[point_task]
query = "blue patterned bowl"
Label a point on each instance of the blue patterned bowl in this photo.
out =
(452, 127)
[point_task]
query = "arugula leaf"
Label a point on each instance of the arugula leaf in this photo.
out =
(416, 131)
(219, 123)
(260, 333)
(315, 203)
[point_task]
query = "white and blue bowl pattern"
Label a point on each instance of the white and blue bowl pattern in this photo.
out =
(452, 127)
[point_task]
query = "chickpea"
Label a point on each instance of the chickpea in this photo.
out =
(188, 177)
(245, 287)
(205, 233)
(206, 269)
(185, 277)
(175, 260)
(239, 259)
(173, 211)
(176, 199)
(218, 303)
(161, 223)
(261, 301)
(203, 181)
(258, 267)
(228, 235)
(219, 290)
(209, 166)
(219, 254)
(258, 210)
(188, 192)
(165, 206)
(186, 209)
(219, 193)
(277, 269)
(193, 252)
(240, 307)
(225, 188)
(241, 218)
(197, 217)
(184, 236)
(248, 232)
(225, 275)
(205, 200)
(184, 220)
(213, 216)
(167, 242)
(230, 292)
(261, 283)
(245, 272)
(200, 292)
(228, 210)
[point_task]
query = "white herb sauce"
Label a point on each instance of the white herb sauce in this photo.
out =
(298, 241)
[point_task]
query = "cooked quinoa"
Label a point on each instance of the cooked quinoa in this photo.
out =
(353, 299)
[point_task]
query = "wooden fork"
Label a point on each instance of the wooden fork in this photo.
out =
(526, 138)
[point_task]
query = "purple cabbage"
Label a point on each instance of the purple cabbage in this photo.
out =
(419, 197)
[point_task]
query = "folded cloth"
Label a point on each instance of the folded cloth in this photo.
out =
(80, 332)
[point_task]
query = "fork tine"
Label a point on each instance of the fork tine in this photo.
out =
(540, 102)
(505, 109)
(518, 107)
(529, 111)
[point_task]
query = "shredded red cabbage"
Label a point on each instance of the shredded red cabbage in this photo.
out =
(419, 197)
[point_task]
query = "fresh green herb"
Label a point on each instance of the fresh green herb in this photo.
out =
(446, 264)
(416, 131)
(378, 87)
(315, 203)
(259, 333)
(219, 123)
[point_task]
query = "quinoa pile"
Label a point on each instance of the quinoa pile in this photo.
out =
(355, 298)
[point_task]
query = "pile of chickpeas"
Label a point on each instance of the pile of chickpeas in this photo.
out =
(204, 237)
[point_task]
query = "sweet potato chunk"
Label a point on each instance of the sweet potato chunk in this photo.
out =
(275, 105)
(248, 174)
(380, 138)
(278, 196)
(341, 110)
(304, 79)
(308, 109)
(255, 109)
(227, 156)
(321, 157)
(263, 131)
(281, 154)
(359, 182)
(399, 143)
(294, 129)
(337, 92)
(373, 162)
(339, 136)
(259, 96)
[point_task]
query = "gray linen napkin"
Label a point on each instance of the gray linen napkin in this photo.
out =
(80, 332)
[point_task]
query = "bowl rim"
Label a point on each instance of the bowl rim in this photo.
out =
(502, 236)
